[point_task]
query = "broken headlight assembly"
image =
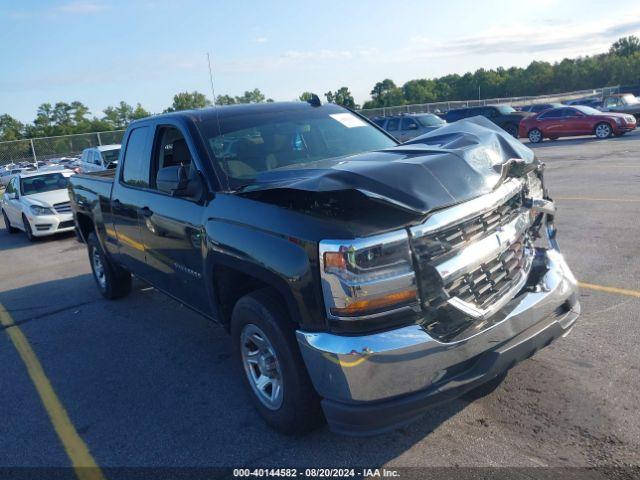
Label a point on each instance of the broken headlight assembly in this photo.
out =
(367, 278)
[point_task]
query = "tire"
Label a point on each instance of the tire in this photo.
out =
(512, 129)
(7, 224)
(535, 136)
(485, 389)
(603, 130)
(287, 400)
(27, 229)
(112, 281)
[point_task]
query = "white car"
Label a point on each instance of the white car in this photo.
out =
(38, 203)
(6, 175)
(95, 159)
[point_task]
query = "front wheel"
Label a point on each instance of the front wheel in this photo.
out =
(7, 224)
(112, 281)
(267, 352)
(27, 229)
(535, 136)
(603, 130)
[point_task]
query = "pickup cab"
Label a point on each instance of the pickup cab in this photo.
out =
(96, 159)
(622, 103)
(361, 280)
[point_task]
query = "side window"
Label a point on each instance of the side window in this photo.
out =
(409, 124)
(488, 112)
(379, 121)
(95, 157)
(568, 112)
(555, 113)
(85, 156)
(10, 187)
(392, 124)
(171, 149)
(612, 102)
(135, 171)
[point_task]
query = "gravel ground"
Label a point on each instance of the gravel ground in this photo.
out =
(148, 383)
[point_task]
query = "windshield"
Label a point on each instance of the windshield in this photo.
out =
(505, 109)
(429, 120)
(110, 156)
(43, 183)
(587, 110)
(245, 145)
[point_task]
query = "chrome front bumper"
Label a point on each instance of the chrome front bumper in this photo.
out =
(382, 367)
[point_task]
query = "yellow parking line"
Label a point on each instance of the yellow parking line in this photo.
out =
(78, 452)
(619, 291)
(594, 199)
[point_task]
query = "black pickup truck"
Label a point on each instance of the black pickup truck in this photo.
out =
(362, 281)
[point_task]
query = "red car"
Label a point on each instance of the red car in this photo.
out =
(573, 121)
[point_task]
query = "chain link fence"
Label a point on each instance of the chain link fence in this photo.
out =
(443, 107)
(45, 148)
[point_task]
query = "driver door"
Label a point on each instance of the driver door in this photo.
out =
(12, 205)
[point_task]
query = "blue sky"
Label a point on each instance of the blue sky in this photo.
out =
(101, 51)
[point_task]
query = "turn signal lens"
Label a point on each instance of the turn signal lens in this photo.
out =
(373, 305)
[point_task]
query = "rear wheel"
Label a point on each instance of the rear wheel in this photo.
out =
(603, 130)
(512, 130)
(27, 229)
(266, 349)
(7, 224)
(535, 136)
(112, 281)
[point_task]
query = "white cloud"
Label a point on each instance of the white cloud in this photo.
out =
(81, 7)
(570, 39)
(261, 39)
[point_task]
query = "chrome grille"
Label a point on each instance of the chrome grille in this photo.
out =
(439, 243)
(63, 207)
(493, 279)
(472, 259)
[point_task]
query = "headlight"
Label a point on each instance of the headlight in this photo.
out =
(367, 277)
(38, 210)
(618, 120)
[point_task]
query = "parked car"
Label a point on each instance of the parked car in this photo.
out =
(574, 121)
(355, 274)
(622, 103)
(593, 102)
(38, 204)
(540, 107)
(406, 127)
(7, 175)
(100, 158)
(504, 116)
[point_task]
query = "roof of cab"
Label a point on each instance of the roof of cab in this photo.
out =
(227, 111)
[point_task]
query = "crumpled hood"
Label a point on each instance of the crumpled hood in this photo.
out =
(452, 164)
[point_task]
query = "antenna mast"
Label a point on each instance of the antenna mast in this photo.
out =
(213, 92)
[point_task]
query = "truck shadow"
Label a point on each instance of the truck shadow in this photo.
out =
(149, 383)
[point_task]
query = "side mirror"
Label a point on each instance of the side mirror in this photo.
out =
(12, 196)
(172, 180)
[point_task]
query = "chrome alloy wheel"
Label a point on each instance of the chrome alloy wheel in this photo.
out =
(603, 130)
(535, 136)
(261, 366)
(98, 268)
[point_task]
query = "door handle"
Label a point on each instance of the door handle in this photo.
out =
(146, 211)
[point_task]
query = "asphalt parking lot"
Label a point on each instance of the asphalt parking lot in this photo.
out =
(146, 382)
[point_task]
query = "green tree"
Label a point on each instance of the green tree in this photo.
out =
(305, 96)
(10, 128)
(626, 46)
(253, 96)
(188, 101)
(343, 97)
(225, 100)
